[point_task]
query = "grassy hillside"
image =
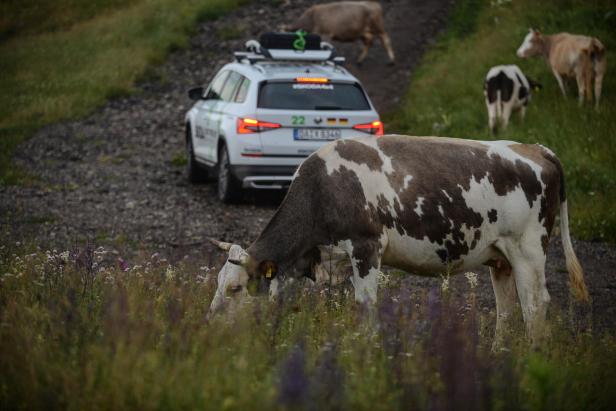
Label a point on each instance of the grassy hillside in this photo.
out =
(446, 96)
(60, 59)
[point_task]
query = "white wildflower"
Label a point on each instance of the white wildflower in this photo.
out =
(64, 256)
(169, 273)
(445, 283)
(382, 278)
(99, 254)
(472, 279)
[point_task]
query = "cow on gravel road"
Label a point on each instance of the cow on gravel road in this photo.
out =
(426, 205)
(347, 21)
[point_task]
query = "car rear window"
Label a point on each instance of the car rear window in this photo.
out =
(312, 96)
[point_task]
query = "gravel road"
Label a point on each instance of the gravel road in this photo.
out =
(110, 178)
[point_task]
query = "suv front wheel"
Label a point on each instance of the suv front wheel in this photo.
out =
(228, 187)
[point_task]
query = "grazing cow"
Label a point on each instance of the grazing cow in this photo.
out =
(506, 89)
(232, 292)
(425, 205)
(347, 21)
(569, 55)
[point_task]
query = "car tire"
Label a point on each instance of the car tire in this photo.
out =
(229, 190)
(196, 173)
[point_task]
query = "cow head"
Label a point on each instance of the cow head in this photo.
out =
(304, 22)
(240, 278)
(532, 45)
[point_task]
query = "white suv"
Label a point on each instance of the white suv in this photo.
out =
(263, 114)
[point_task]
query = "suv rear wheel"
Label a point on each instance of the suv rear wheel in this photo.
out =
(228, 187)
(196, 173)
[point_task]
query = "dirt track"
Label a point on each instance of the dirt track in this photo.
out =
(109, 178)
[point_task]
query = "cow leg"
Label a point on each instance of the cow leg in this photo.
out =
(491, 116)
(523, 112)
(559, 79)
(581, 82)
(387, 44)
(365, 258)
(503, 284)
(507, 107)
(366, 40)
(528, 264)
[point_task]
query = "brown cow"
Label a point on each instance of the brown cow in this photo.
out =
(569, 55)
(346, 21)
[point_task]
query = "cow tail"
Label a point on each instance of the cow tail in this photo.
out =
(597, 51)
(576, 274)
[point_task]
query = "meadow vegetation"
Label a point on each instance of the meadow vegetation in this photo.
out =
(61, 59)
(446, 96)
(86, 330)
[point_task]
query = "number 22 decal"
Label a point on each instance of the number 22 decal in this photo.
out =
(297, 120)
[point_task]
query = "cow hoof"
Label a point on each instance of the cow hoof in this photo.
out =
(392, 63)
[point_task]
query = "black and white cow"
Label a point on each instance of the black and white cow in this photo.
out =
(506, 89)
(426, 205)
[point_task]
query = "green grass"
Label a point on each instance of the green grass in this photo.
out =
(83, 330)
(179, 160)
(61, 59)
(446, 96)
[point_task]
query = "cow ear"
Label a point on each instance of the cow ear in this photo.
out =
(268, 269)
(220, 244)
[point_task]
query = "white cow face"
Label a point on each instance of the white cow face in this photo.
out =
(232, 290)
(234, 285)
(531, 46)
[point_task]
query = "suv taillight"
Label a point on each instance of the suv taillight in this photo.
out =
(375, 128)
(250, 125)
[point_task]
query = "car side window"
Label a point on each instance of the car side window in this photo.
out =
(231, 85)
(215, 90)
(242, 91)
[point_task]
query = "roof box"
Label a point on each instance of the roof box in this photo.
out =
(290, 41)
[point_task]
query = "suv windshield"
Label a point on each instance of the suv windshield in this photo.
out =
(312, 96)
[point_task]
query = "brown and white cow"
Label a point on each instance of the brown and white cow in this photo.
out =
(569, 56)
(506, 89)
(347, 21)
(426, 205)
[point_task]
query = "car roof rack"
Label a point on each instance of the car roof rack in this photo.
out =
(289, 47)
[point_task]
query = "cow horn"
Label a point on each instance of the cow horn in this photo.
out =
(221, 244)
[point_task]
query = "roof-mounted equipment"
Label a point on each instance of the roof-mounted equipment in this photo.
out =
(298, 46)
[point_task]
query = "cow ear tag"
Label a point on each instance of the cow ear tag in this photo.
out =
(268, 273)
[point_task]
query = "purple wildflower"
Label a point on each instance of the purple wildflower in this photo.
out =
(327, 391)
(294, 383)
(122, 264)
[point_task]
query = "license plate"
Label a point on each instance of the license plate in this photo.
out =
(316, 134)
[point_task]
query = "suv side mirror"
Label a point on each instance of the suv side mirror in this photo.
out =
(196, 93)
